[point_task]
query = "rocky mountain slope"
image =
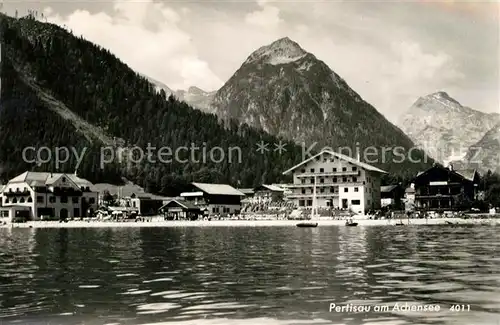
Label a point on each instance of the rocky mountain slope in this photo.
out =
(197, 98)
(443, 127)
(59, 90)
(485, 154)
(284, 90)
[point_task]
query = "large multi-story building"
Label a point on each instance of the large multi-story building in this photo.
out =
(341, 182)
(35, 196)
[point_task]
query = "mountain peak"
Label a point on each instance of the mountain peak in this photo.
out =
(281, 51)
(442, 95)
(285, 42)
(196, 90)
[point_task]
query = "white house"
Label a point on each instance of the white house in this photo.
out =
(37, 195)
(341, 182)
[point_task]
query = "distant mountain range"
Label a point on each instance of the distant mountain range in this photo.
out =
(444, 128)
(287, 91)
(197, 98)
(194, 96)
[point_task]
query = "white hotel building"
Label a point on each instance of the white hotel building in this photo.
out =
(342, 182)
(35, 196)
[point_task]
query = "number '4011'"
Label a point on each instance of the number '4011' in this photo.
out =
(460, 308)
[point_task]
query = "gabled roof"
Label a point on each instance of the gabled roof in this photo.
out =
(217, 189)
(184, 204)
(43, 178)
(387, 188)
(467, 174)
(340, 156)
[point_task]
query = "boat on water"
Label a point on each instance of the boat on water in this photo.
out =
(350, 223)
(310, 223)
(307, 224)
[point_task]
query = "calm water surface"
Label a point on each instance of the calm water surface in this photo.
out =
(248, 275)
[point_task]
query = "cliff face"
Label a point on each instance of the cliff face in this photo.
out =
(485, 154)
(445, 128)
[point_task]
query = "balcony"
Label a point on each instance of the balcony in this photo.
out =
(325, 174)
(17, 192)
(309, 185)
(66, 191)
(434, 196)
(309, 196)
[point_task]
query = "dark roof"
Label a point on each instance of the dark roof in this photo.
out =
(467, 174)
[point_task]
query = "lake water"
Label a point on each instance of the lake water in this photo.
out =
(249, 275)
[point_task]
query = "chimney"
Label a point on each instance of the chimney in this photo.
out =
(357, 156)
(450, 167)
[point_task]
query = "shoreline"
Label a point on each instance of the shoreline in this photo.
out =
(245, 223)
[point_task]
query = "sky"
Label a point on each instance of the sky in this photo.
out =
(390, 52)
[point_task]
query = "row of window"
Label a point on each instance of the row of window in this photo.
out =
(52, 199)
(328, 203)
(332, 190)
(224, 210)
(334, 180)
(25, 189)
(334, 169)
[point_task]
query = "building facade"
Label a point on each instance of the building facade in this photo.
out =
(180, 210)
(49, 196)
(342, 182)
(442, 188)
(217, 199)
(391, 196)
(268, 193)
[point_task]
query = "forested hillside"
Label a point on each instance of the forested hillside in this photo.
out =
(42, 60)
